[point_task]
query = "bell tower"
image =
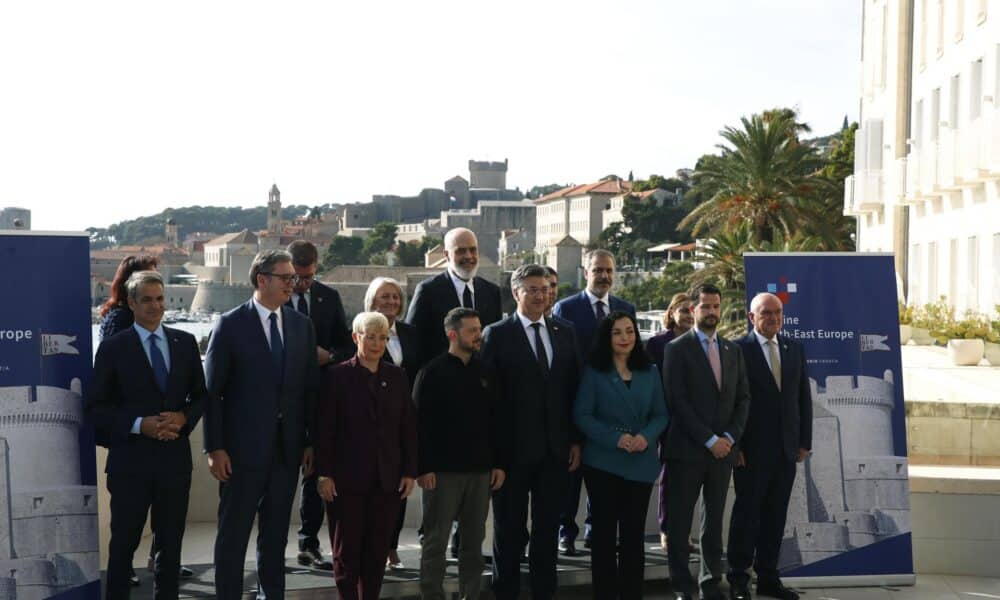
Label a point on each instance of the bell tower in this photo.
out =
(274, 210)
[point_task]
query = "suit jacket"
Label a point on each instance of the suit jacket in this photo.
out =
(409, 341)
(366, 428)
(432, 300)
(698, 409)
(326, 312)
(606, 408)
(246, 393)
(124, 388)
(535, 408)
(782, 418)
(577, 310)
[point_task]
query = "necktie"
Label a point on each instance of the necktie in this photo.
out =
(601, 313)
(277, 350)
(540, 354)
(772, 349)
(159, 365)
(467, 297)
(303, 305)
(713, 359)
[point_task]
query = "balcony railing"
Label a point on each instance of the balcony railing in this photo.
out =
(863, 193)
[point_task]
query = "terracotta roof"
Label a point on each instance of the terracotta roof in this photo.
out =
(609, 186)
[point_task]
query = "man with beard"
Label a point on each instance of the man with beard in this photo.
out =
(708, 399)
(457, 286)
(458, 466)
(585, 311)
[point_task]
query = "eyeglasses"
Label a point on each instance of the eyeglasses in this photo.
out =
(305, 278)
(292, 278)
(533, 291)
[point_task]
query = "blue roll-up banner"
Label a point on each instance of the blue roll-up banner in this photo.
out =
(849, 515)
(48, 494)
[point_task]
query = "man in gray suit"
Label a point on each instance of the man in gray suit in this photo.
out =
(708, 398)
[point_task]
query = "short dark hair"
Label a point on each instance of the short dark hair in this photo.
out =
(525, 271)
(552, 272)
(600, 352)
(703, 288)
(304, 254)
(264, 263)
(453, 320)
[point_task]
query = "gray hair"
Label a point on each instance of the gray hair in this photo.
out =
(139, 279)
(373, 322)
(373, 288)
(523, 272)
(264, 263)
(759, 298)
(597, 253)
(449, 238)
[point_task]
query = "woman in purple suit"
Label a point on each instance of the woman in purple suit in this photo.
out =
(366, 457)
(678, 320)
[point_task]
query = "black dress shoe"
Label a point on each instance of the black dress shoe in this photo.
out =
(739, 592)
(133, 579)
(776, 589)
(313, 558)
(586, 543)
(711, 593)
(567, 547)
(186, 573)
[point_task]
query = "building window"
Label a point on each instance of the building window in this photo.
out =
(953, 271)
(996, 267)
(917, 263)
(932, 263)
(972, 301)
(939, 28)
(955, 94)
(918, 125)
(980, 11)
(935, 113)
(976, 90)
(959, 18)
(922, 41)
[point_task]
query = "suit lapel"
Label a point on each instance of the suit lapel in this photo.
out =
(136, 342)
(174, 346)
(449, 291)
(702, 358)
(526, 349)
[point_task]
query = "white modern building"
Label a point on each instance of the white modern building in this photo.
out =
(575, 211)
(927, 154)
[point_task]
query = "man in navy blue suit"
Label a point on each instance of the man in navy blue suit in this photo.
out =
(778, 435)
(262, 381)
(146, 396)
(585, 310)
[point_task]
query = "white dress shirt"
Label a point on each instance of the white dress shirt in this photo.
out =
(161, 343)
(265, 321)
(530, 332)
(295, 301)
(606, 299)
(393, 347)
(460, 286)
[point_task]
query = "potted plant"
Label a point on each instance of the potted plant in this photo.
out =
(965, 338)
(992, 346)
(905, 323)
(930, 317)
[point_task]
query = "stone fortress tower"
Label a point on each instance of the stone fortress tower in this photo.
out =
(171, 233)
(48, 519)
(274, 211)
(486, 174)
(853, 491)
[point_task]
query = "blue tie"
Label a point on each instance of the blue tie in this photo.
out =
(159, 365)
(277, 350)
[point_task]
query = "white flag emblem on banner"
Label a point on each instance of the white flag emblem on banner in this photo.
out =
(57, 343)
(870, 342)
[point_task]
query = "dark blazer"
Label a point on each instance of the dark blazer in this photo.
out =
(123, 389)
(366, 428)
(432, 300)
(698, 409)
(655, 346)
(536, 409)
(117, 319)
(327, 314)
(784, 417)
(577, 310)
(409, 341)
(247, 393)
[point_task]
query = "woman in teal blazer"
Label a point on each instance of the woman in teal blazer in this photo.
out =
(621, 411)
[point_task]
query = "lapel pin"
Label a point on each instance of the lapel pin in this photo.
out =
(383, 384)
(319, 299)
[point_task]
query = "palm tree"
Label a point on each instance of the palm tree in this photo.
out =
(762, 177)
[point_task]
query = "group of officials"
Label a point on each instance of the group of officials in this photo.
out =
(465, 403)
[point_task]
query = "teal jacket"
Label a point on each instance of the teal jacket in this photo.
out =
(606, 408)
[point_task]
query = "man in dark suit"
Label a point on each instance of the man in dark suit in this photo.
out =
(147, 394)
(457, 286)
(708, 398)
(537, 370)
(585, 311)
(778, 435)
(333, 344)
(262, 379)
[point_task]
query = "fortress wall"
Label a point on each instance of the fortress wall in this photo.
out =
(216, 297)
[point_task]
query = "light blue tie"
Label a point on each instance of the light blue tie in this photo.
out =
(159, 365)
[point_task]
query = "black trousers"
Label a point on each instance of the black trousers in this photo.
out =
(545, 482)
(132, 496)
(757, 524)
(265, 494)
(618, 520)
(311, 511)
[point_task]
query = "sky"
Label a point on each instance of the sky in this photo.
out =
(114, 110)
